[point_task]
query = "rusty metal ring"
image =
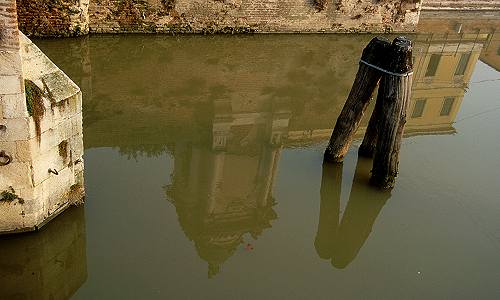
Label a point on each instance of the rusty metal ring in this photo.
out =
(7, 158)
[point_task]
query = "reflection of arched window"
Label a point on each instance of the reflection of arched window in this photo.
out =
(433, 65)
(462, 64)
(447, 106)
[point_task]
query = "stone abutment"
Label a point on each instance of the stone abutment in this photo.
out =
(41, 142)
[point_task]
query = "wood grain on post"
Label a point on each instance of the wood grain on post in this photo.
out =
(362, 89)
(367, 147)
(394, 93)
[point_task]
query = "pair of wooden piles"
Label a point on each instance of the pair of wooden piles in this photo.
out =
(391, 65)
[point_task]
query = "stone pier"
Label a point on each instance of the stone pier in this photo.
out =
(41, 141)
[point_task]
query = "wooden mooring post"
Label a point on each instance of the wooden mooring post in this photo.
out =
(395, 92)
(359, 97)
(383, 135)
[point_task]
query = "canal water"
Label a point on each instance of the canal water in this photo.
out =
(204, 175)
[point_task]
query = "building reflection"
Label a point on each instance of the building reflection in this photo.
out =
(223, 190)
(49, 264)
(444, 62)
(491, 53)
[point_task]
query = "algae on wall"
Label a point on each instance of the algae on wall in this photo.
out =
(10, 195)
(34, 104)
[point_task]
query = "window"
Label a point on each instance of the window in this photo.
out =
(447, 106)
(433, 65)
(462, 64)
(418, 108)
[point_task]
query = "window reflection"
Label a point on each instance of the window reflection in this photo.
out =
(462, 64)
(447, 106)
(418, 108)
(433, 65)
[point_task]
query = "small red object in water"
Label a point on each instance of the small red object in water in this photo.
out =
(248, 247)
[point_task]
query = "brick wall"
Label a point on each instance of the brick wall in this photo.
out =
(11, 79)
(9, 37)
(234, 16)
(53, 17)
(74, 17)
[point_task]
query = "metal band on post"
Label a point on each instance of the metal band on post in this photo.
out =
(386, 71)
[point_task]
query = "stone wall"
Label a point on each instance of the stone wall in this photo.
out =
(41, 143)
(53, 17)
(459, 22)
(461, 5)
(74, 17)
(235, 16)
(14, 119)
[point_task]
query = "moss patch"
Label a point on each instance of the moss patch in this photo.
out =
(76, 194)
(10, 195)
(63, 149)
(34, 104)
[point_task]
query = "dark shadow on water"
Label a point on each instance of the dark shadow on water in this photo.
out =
(340, 239)
(49, 264)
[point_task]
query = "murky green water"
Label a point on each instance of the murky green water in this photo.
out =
(204, 176)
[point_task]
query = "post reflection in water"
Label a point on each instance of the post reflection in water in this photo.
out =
(339, 238)
(49, 264)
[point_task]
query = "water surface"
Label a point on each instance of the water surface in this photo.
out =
(204, 175)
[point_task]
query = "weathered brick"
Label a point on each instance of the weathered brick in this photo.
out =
(10, 63)
(14, 106)
(11, 84)
(17, 129)
(210, 16)
(16, 174)
(49, 18)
